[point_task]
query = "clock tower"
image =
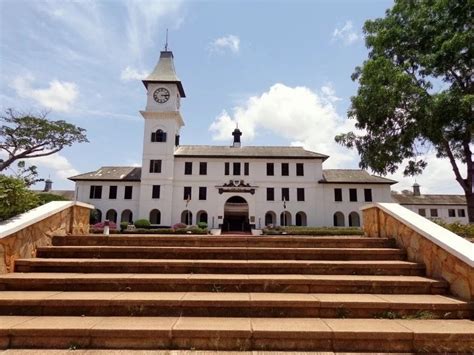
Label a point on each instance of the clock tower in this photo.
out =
(163, 122)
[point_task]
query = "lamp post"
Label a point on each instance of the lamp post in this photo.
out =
(188, 211)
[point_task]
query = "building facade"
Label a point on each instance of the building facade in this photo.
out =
(232, 187)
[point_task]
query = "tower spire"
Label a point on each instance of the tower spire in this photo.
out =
(166, 43)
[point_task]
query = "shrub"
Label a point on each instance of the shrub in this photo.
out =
(45, 197)
(15, 197)
(123, 226)
(142, 223)
(179, 226)
(463, 230)
(202, 225)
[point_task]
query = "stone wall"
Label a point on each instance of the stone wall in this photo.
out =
(439, 261)
(23, 243)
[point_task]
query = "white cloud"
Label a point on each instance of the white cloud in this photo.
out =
(59, 96)
(130, 73)
(309, 119)
(229, 42)
(298, 114)
(345, 34)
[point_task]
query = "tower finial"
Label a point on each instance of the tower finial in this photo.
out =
(166, 44)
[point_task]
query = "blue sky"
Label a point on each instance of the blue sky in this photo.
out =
(281, 69)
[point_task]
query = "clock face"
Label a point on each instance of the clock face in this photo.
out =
(161, 95)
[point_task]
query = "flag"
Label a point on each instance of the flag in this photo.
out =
(284, 202)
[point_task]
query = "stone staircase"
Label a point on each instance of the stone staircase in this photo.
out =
(229, 293)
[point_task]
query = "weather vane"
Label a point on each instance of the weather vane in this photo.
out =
(166, 44)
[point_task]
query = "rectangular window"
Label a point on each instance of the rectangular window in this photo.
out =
(338, 195)
(227, 169)
(187, 193)
(112, 192)
(299, 169)
(368, 195)
(300, 194)
(202, 193)
(353, 195)
(451, 212)
(236, 167)
(128, 192)
(155, 166)
(270, 169)
(203, 168)
(433, 212)
(188, 168)
(461, 213)
(95, 192)
(270, 194)
(422, 212)
(246, 169)
(285, 170)
(155, 191)
(285, 194)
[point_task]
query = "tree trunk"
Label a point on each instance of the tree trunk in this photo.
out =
(470, 206)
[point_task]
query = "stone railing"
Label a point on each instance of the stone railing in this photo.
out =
(444, 254)
(21, 235)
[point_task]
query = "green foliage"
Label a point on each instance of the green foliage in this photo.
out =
(142, 223)
(15, 197)
(123, 226)
(25, 136)
(313, 231)
(202, 225)
(94, 217)
(463, 230)
(415, 90)
(45, 197)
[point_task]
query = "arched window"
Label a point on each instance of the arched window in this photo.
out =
(301, 219)
(354, 219)
(95, 216)
(270, 218)
(155, 216)
(127, 216)
(285, 218)
(201, 216)
(158, 136)
(187, 217)
(111, 215)
(339, 219)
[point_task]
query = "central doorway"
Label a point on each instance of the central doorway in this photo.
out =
(236, 215)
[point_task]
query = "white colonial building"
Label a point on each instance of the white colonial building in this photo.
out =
(230, 187)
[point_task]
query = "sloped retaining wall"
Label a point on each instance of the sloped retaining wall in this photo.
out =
(21, 235)
(444, 254)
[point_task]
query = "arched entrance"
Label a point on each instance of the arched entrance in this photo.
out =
(236, 215)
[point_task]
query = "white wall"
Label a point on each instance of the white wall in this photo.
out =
(443, 213)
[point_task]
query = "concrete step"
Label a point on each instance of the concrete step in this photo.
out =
(239, 334)
(221, 253)
(242, 304)
(226, 241)
(223, 283)
(329, 267)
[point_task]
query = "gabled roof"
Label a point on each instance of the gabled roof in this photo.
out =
(164, 72)
(246, 152)
(352, 176)
(111, 173)
(406, 199)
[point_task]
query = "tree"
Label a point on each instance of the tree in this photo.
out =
(24, 136)
(15, 197)
(415, 90)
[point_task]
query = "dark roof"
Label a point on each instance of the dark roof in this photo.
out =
(406, 199)
(246, 152)
(164, 72)
(353, 176)
(111, 173)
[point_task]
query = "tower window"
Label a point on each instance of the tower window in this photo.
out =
(187, 193)
(285, 194)
(300, 194)
(299, 169)
(338, 195)
(202, 168)
(188, 168)
(270, 194)
(95, 192)
(236, 168)
(226, 168)
(270, 169)
(155, 166)
(128, 192)
(285, 171)
(202, 193)
(113, 192)
(246, 169)
(155, 191)
(158, 136)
